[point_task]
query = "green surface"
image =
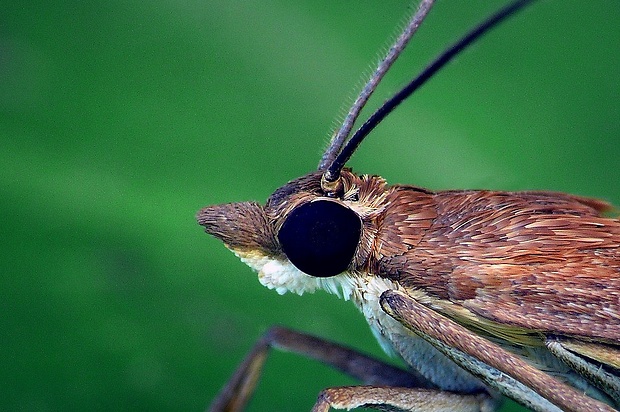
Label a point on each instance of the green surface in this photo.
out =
(119, 120)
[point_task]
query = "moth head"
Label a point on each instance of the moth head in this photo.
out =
(324, 223)
(301, 230)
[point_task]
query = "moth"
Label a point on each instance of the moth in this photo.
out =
(479, 292)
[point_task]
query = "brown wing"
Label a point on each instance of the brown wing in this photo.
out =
(541, 261)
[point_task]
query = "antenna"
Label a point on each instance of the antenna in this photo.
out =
(399, 45)
(340, 156)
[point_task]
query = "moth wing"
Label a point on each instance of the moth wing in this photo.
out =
(516, 263)
(557, 269)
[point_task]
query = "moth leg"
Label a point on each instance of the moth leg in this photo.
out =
(495, 366)
(237, 392)
(401, 399)
(594, 373)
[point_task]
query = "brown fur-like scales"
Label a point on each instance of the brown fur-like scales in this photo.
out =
(536, 260)
(508, 263)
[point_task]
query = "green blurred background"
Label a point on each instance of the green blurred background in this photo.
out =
(120, 119)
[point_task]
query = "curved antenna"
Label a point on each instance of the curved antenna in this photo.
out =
(399, 45)
(332, 173)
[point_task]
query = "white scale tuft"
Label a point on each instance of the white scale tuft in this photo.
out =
(364, 291)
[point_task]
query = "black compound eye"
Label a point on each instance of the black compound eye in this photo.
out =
(320, 237)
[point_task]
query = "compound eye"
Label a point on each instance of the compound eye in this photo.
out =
(320, 237)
